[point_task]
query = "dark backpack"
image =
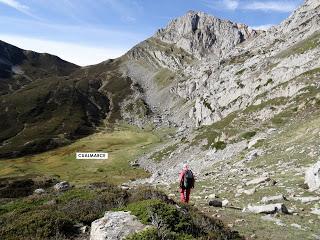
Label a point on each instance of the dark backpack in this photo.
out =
(188, 181)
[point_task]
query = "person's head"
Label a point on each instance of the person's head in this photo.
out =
(185, 166)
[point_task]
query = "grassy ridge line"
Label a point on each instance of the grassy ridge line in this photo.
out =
(124, 144)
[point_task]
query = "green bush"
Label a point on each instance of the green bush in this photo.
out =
(241, 72)
(269, 81)
(220, 145)
(248, 135)
(54, 215)
(177, 222)
(168, 220)
(141, 209)
(145, 193)
(85, 211)
(79, 193)
(148, 234)
(36, 224)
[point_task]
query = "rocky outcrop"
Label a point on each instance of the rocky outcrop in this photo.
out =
(200, 34)
(115, 225)
(312, 177)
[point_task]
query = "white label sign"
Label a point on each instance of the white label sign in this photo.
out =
(91, 155)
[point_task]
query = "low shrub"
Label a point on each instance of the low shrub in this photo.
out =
(145, 193)
(248, 135)
(148, 234)
(55, 215)
(84, 211)
(220, 145)
(177, 222)
(35, 224)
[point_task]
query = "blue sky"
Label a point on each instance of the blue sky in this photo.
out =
(90, 31)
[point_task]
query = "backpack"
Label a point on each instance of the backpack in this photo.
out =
(188, 181)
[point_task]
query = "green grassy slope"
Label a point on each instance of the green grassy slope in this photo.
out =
(123, 144)
(47, 102)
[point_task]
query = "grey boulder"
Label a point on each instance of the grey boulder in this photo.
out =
(115, 225)
(312, 177)
(267, 209)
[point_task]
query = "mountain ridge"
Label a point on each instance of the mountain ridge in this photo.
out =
(194, 72)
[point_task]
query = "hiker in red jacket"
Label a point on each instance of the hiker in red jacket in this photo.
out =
(186, 179)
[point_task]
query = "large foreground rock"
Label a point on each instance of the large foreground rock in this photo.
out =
(268, 209)
(312, 177)
(115, 225)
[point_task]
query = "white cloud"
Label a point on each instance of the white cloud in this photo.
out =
(231, 4)
(277, 6)
(16, 5)
(79, 54)
(262, 27)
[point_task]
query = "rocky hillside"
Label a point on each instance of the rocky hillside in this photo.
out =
(257, 112)
(254, 69)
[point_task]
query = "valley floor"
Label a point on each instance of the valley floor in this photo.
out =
(123, 143)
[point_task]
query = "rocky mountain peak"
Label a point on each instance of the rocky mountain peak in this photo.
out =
(199, 33)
